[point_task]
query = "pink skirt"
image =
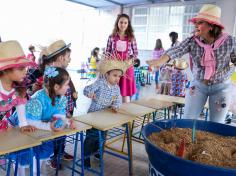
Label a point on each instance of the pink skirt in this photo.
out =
(127, 83)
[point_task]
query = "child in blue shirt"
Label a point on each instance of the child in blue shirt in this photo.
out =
(46, 109)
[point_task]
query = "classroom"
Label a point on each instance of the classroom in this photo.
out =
(118, 87)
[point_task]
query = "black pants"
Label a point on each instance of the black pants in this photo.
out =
(59, 142)
(91, 144)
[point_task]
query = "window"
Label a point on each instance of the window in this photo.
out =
(154, 22)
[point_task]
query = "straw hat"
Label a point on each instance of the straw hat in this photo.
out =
(170, 63)
(113, 62)
(209, 13)
(12, 55)
(55, 48)
(181, 64)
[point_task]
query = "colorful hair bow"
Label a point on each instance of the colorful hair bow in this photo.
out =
(51, 72)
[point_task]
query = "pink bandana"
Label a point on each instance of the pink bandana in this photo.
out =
(208, 59)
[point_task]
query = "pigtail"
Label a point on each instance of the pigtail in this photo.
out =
(52, 94)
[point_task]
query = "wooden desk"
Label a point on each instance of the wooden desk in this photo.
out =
(14, 140)
(153, 103)
(171, 99)
(105, 120)
(168, 98)
(44, 135)
(135, 109)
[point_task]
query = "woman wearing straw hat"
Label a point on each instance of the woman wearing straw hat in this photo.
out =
(210, 50)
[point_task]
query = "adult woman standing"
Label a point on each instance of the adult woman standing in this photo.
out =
(211, 51)
(122, 42)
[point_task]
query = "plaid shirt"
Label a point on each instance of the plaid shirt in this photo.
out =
(106, 95)
(222, 55)
(138, 76)
(70, 103)
(179, 81)
(132, 46)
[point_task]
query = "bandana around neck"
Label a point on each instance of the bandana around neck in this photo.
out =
(208, 59)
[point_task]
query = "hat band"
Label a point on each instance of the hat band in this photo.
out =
(16, 59)
(212, 16)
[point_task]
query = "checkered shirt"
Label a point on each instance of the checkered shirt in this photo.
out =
(106, 95)
(132, 46)
(70, 103)
(223, 57)
(179, 81)
(138, 76)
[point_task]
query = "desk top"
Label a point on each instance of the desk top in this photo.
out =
(172, 99)
(135, 109)
(168, 98)
(105, 120)
(153, 103)
(44, 135)
(13, 140)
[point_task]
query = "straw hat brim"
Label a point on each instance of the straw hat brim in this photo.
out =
(58, 51)
(207, 19)
(182, 66)
(108, 65)
(16, 64)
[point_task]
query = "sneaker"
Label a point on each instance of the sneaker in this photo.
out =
(97, 156)
(87, 163)
(67, 157)
(53, 165)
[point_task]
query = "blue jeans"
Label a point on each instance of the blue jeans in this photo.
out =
(157, 77)
(219, 100)
(136, 95)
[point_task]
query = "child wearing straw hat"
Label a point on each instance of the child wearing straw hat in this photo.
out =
(211, 51)
(179, 78)
(13, 63)
(57, 54)
(105, 93)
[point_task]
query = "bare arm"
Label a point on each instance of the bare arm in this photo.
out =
(163, 59)
(173, 53)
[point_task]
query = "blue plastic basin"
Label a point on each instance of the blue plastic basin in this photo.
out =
(162, 163)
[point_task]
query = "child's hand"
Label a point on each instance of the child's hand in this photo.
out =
(28, 128)
(52, 125)
(92, 96)
(72, 124)
(114, 109)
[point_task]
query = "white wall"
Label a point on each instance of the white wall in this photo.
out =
(228, 14)
(40, 22)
